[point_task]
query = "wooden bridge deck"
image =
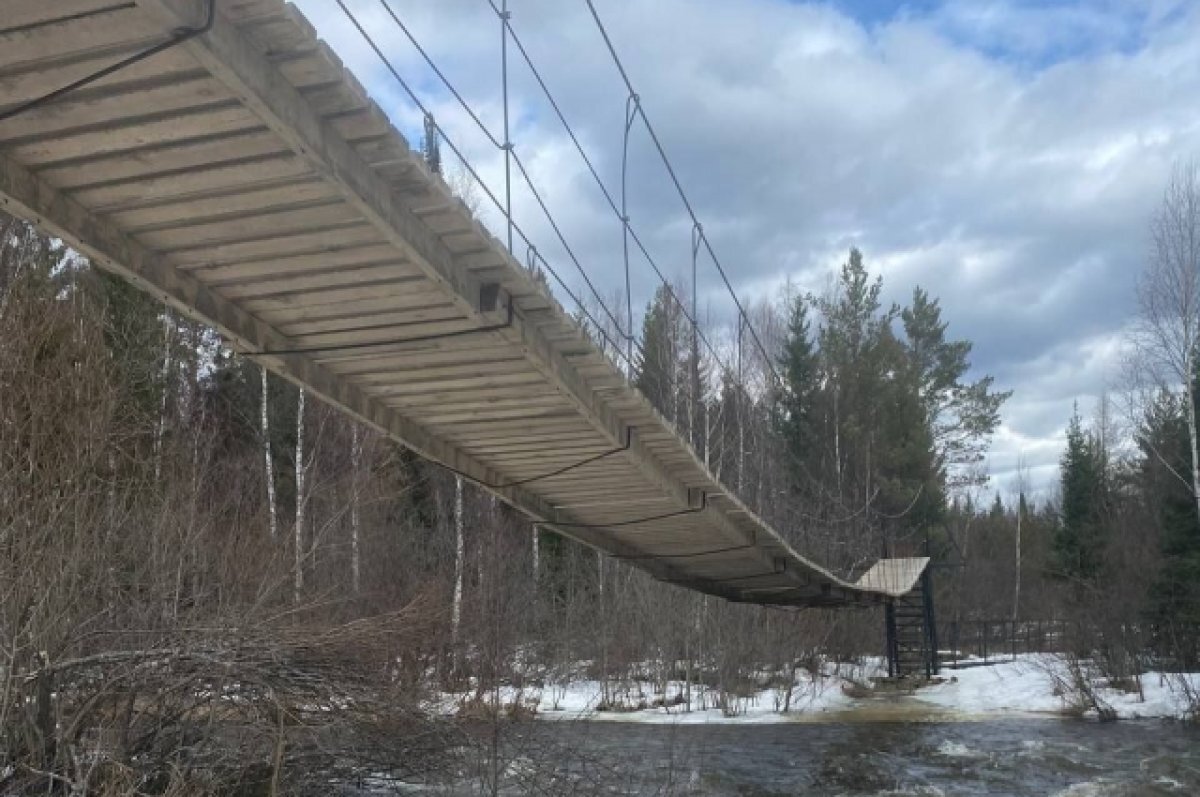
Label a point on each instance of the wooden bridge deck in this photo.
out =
(246, 178)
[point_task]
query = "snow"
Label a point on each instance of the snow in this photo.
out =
(1024, 686)
(1028, 685)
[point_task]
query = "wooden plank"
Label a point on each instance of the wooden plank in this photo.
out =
(285, 194)
(479, 398)
(354, 328)
(434, 418)
(417, 353)
(135, 134)
(97, 110)
(208, 153)
(246, 227)
(257, 270)
(365, 306)
(305, 244)
(360, 276)
(448, 373)
(515, 446)
(60, 69)
(194, 184)
(79, 34)
(24, 13)
(449, 387)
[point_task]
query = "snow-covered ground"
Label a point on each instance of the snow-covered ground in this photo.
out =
(1028, 685)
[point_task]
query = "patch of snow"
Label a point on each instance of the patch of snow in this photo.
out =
(1026, 685)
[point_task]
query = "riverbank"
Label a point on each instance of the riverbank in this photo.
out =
(1029, 685)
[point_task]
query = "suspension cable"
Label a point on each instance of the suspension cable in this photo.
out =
(633, 109)
(416, 100)
(505, 146)
(678, 185)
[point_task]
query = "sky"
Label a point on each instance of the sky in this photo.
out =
(1006, 156)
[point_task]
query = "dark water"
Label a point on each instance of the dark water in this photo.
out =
(995, 757)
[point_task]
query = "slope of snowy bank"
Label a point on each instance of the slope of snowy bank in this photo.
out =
(1028, 685)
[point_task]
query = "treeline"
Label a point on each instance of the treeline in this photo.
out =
(844, 422)
(1113, 553)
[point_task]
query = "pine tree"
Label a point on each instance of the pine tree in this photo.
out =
(962, 416)
(852, 372)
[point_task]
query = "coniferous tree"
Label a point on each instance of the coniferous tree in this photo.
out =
(1080, 539)
(1174, 600)
(661, 376)
(796, 406)
(962, 416)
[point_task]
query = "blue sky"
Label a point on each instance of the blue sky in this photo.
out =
(1004, 155)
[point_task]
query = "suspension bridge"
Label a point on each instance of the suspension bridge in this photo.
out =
(219, 156)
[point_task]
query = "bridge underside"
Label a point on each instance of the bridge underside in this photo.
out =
(245, 178)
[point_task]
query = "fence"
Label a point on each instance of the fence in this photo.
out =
(969, 642)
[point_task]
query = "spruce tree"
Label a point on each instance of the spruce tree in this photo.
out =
(796, 411)
(658, 374)
(1174, 599)
(1080, 539)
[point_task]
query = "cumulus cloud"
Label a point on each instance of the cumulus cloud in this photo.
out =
(1003, 154)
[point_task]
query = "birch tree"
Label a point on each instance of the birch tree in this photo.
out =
(1022, 485)
(459, 557)
(301, 472)
(1165, 338)
(355, 518)
(269, 462)
(163, 406)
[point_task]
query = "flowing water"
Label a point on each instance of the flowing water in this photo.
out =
(996, 757)
(866, 756)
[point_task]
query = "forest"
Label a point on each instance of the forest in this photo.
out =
(211, 584)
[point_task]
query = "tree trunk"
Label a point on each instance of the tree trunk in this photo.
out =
(161, 431)
(355, 520)
(1017, 579)
(300, 502)
(272, 506)
(1191, 425)
(459, 555)
(537, 555)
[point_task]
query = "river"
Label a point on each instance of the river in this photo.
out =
(872, 756)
